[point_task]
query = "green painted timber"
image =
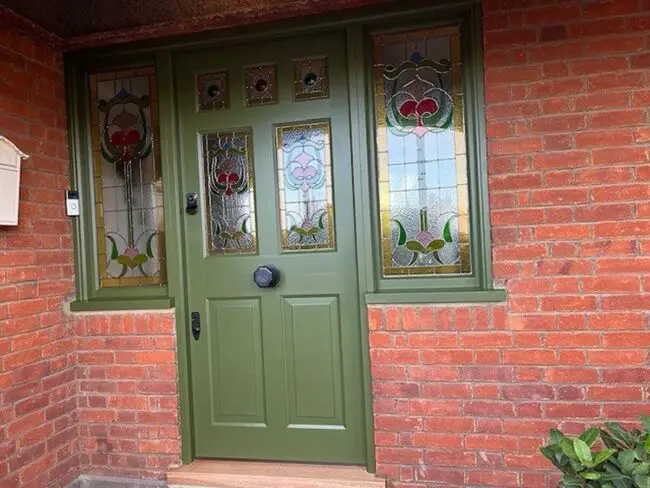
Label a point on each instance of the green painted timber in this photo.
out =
(276, 373)
(371, 288)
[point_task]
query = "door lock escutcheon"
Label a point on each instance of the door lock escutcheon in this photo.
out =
(196, 325)
(191, 203)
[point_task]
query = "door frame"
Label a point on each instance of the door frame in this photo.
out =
(356, 24)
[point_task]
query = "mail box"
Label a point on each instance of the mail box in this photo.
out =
(10, 159)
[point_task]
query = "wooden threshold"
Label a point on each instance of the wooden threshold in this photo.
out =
(244, 474)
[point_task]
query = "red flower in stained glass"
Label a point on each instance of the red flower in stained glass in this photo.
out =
(420, 110)
(228, 179)
(126, 140)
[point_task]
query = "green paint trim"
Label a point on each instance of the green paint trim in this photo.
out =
(472, 36)
(117, 304)
(89, 297)
(153, 291)
(358, 24)
(74, 138)
(422, 298)
(84, 236)
(175, 244)
(360, 166)
(472, 49)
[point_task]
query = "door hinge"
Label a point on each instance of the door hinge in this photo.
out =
(196, 325)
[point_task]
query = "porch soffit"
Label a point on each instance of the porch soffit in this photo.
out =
(85, 23)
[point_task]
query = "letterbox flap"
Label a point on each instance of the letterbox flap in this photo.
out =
(10, 155)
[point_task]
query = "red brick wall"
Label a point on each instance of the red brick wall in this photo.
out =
(464, 396)
(38, 432)
(128, 396)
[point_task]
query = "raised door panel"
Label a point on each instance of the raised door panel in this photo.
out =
(236, 362)
(313, 362)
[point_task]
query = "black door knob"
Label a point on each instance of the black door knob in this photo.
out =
(267, 276)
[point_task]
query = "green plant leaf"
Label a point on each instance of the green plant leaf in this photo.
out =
(582, 451)
(567, 448)
(577, 466)
(570, 481)
(557, 436)
(590, 436)
(626, 459)
(619, 432)
(642, 468)
(608, 440)
(548, 452)
(603, 456)
(618, 479)
(591, 475)
(646, 444)
(645, 419)
(642, 481)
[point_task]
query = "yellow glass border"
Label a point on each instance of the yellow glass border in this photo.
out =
(249, 90)
(323, 71)
(325, 126)
(379, 41)
(247, 133)
(217, 75)
(104, 280)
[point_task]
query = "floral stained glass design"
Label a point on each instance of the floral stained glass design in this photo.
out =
(213, 91)
(311, 79)
(260, 85)
(421, 150)
(305, 184)
(128, 184)
(229, 187)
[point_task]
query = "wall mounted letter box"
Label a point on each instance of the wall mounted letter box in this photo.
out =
(10, 159)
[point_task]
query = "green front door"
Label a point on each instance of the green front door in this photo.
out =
(265, 143)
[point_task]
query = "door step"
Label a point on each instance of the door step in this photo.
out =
(242, 474)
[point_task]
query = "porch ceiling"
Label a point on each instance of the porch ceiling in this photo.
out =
(81, 18)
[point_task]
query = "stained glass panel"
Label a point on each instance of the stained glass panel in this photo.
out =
(230, 191)
(421, 152)
(305, 184)
(128, 184)
(311, 79)
(213, 91)
(260, 85)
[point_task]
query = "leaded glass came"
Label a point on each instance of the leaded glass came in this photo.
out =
(230, 191)
(421, 151)
(305, 184)
(128, 183)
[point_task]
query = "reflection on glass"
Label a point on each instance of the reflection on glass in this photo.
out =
(422, 161)
(305, 186)
(229, 187)
(128, 184)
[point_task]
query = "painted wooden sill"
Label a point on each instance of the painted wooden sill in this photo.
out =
(434, 297)
(116, 304)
